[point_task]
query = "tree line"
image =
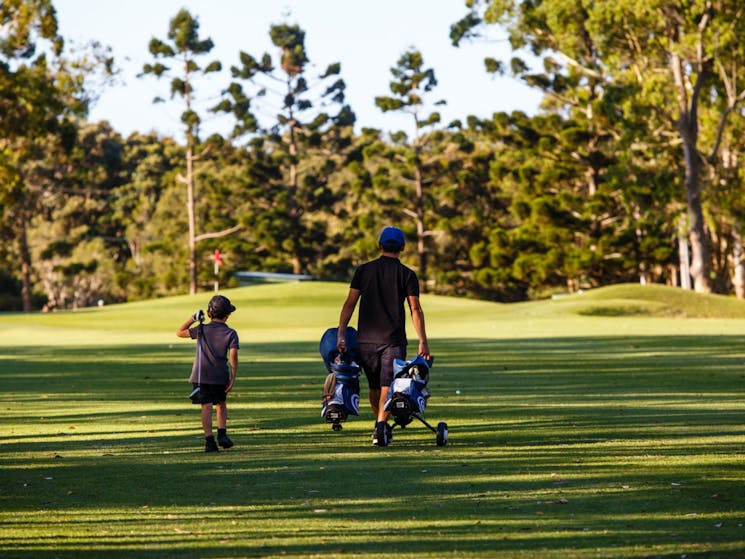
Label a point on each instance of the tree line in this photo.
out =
(630, 170)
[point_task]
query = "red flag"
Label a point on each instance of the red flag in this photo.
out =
(218, 258)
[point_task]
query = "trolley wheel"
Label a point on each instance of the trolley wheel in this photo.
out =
(442, 433)
(336, 426)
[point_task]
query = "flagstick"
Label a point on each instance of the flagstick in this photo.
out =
(218, 261)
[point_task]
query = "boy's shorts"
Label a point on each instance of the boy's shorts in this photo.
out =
(210, 394)
(377, 362)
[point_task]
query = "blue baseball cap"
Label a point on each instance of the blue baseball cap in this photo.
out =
(392, 239)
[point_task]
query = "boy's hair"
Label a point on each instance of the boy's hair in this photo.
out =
(219, 307)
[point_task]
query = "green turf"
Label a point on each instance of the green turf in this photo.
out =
(604, 424)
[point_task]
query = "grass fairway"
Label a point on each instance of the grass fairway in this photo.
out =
(606, 424)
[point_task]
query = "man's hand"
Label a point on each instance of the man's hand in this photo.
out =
(424, 350)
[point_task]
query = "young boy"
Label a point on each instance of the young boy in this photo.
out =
(217, 347)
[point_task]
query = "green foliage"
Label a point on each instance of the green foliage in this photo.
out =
(24, 22)
(298, 155)
(41, 96)
(411, 82)
(290, 39)
(184, 33)
(586, 193)
(677, 64)
(185, 49)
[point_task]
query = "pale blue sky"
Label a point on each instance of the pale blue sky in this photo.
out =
(366, 37)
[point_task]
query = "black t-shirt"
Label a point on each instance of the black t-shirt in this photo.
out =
(218, 339)
(384, 285)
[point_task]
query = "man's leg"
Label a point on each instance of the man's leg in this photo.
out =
(383, 432)
(381, 413)
(370, 362)
(375, 401)
(389, 355)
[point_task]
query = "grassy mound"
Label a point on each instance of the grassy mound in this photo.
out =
(657, 301)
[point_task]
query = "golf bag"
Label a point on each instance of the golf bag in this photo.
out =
(341, 391)
(408, 395)
(194, 395)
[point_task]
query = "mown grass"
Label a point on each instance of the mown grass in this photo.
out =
(576, 433)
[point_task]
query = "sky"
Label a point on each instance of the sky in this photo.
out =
(366, 37)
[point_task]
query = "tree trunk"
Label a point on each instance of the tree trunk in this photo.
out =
(685, 268)
(739, 266)
(25, 257)
(192, 219)
(420, 248)
(641, 264)
(297, 264)
(688, 129)
(697, 233)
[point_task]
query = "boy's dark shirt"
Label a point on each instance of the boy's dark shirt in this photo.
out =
(384, 285)
(218, 339)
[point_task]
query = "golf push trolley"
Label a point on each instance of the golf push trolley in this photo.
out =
(408, 395)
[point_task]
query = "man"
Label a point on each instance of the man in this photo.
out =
(382, 286)
(215, 366)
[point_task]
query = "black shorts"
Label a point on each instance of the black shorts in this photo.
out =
(377, 362)
(210, 394)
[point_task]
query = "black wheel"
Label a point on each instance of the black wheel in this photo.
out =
(442, 433)
(336, 426)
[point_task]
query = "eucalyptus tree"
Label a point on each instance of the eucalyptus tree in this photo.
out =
(75, 241)
(183, 51)
(699, 45)
(678, 60)
(41, 95)
(726, 211)
(306, 128)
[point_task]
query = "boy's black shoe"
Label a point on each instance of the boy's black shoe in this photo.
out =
(224, 440)
(210, 445)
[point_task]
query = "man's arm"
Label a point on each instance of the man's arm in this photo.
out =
(346, 315)
(417, 317)
(233, 360)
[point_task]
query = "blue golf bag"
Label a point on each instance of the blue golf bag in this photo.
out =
(408, 395)
(341, 391)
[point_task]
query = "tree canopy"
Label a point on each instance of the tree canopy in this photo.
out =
(630, 170)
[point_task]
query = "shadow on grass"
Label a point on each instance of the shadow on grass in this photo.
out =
(587, 447)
